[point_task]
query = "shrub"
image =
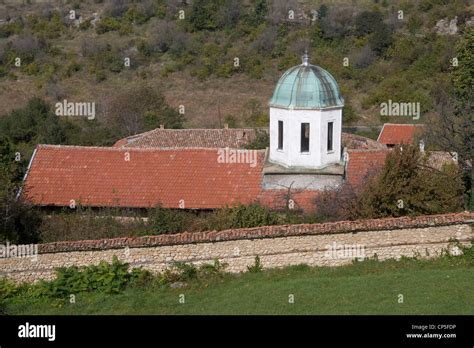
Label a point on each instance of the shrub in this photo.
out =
(215, 269)
(240, 216)
(163, 220)
(336, 23)
(110, 278)
(19, 221)
(140, 109)
(257, 267)
(408, 178)
(10, 29)
(368, 22)
(204, 14)
(185, 271)
(72, 68)
(261, 140)
(7, 288)
(3, 307)
(88, 224)
(107, 24)
(50, 28)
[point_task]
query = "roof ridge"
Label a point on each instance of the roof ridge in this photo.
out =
(369, 150)
(404, 124)
(144, 149)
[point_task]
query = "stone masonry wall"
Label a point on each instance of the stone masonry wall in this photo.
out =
(277, 246)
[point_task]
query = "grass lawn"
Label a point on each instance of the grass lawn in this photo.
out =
(440, 286)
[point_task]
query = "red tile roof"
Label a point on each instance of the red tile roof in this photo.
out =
(219, 138)
(278, 199)
(96, 176)
(397, 134)
(185, 138)
(362, 163)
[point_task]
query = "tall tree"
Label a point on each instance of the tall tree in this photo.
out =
(452, 127)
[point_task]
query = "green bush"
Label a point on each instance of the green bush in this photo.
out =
(107, 24)
(10, 29)
(211, 270)
(72, 68)
(185, 271)
(83, 224)
(261, 140)
(7, 288)
(407, 177)
(241, 216)
(257, 267)
(50, 28)
(110, 278)
(163, 220)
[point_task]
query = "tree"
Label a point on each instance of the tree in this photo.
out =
(371, 23)
(230, 14)
(259, 12)
(141, 109)
(164, 220)
(408, 185)
(451, 127)
(261, 140)
(19, 221)
(368, 22)
(204, 14)
(336, 23)
(36, 123)
(463, 74)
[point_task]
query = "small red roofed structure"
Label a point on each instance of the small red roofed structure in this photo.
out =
(397, 134)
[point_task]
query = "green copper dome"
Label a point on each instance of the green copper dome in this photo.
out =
(306, 86)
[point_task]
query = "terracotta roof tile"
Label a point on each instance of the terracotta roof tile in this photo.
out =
(95, 176)
(361, 163)
(209, 138)
(396, 134)
(219, 138)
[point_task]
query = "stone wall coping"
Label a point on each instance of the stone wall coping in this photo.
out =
(260, 232)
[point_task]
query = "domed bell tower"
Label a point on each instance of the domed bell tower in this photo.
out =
(306, 118)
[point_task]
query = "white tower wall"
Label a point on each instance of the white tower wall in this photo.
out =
(317, 156)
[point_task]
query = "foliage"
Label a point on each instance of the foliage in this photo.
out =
(110, 278)
(204, 14)
(19, 221)
(80, 224)
(162, 220)
(185, 271)
(140, 109)
(368, 22)
(51, 27)
(240, 216)
(408, 185)
(261, 140)
(463, 74)
(212, 270)
(257, 267)
(36, 123)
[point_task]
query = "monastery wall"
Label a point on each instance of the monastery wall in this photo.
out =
(327, 244)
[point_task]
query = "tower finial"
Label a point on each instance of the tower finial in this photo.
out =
(305, 58)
